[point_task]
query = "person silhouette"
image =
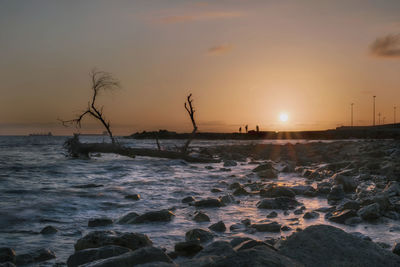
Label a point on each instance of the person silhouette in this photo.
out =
(257, 129)
(240, 129)
(246, 127)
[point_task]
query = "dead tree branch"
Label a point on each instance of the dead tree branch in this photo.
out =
(190, 110)
(100, 81)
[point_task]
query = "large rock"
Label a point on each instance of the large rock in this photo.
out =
(341, 216)
(35, 256)
(128, 218)
(392, 189)
(155, 216)
(208, 203)
(188, 248)
(134, 258)
(268, 174)
(267, 227)
(199, 235)
(277, 191)
(336, 193)
(370, 212)
(306, 190)
(94, 254)
(282, 203)
(263, 167)
(348, 182)
(218, 227)
(48, 230)
(323, 245)
(201, 217)
(396, 248)
(96, 222)
(103, 238)
(7, 254)
(216, 248)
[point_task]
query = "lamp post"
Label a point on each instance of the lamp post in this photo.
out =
(373, 118)
(352, 104)
(379, 120)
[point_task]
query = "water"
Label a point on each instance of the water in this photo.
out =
(40, 186)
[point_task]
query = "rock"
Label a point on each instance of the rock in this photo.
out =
(246, 222)
(35, 256)
(396, 248)
(49, 230)
(188, 199)
(285, 228)
(323, 245)
(199, 235)
(128, 218)
(267, 227)
(7, 254)
(216, 190)
(348, 183)
(392, 189)
(349, 204)
(94, 254)
(218, 227)
(252, 243)
(272, 214)
(299, 210)
(336, 193)
(134, 258)
(96, 222)
(7, 264)
(155, 216)
(366, 189)
(240, 192)
(229, 163)
(323, 188)
(237, 227)
(201, 217)
(133, 197)
(268, 174)
(208, 203)
(353, 221)
(277, 191)
(227, 199)
(188, 248)
(263, 167)
(234, 186)
(361, 235)
(370, 212)
(305, 190)
(282, 203)
(238, 240)
(97, 239)
(216, 248)
(311, 215)
(341, 216)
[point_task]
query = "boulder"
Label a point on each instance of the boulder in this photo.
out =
(134, 258)
(188, 248)
(199, 235)
(370, 212)
(305, 190)
(201, 217)
(7, 254)
(323, 245)
(216, 248)
(272, 214)
(392, 189)
(227, 199)
(349, 204)
(96, 222)
(311, 215)
(188, 199)
(49, 230)
(396, 248)
(218, 227)
(277, 191)
(208, 203)
(35, 256)
(263, 167)
(155, 216)
(240, 192)
(336, 193)
(282, 203)
(348, 182)
(230, 163)
(252, 243)
(267, 227)
(103, 238)
(341, 216)
(94, 254)
(268, 174)
(128, 218)
(133, 197)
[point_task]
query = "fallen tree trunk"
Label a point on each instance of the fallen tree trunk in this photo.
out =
(78, 149)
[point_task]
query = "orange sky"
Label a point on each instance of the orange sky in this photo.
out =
(245, 61)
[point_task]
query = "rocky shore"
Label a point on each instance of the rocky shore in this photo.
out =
(359, 180)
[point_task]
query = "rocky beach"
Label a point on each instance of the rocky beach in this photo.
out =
(275, 203)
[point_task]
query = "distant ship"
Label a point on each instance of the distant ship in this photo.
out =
(41, 134)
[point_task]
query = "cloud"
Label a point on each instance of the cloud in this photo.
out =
(387, 46)
(200, 17)
(219, 49)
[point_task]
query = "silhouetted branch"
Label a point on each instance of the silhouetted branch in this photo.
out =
(189, 108)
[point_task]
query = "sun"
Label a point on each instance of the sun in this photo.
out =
(283, 117)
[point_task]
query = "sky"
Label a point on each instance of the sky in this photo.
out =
(244, 61)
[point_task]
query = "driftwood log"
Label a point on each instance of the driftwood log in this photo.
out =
(77, 149)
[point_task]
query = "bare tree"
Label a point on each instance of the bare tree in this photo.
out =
(100, 81)
(190, 110)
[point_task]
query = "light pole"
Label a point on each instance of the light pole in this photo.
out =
(352, 104)
(394, 115)
(373, 118)
(379, 116)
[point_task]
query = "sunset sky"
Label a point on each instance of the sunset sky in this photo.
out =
(244, 61)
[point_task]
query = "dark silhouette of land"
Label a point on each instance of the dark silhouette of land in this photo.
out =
(387, 131)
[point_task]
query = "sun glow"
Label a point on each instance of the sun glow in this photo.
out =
(283, 117)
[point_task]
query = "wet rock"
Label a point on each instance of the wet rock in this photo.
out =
(348, 183)
(227, 199)
(7, 254)
(49, 230)
(199, 235)
(282, 203)
(155, 216)
(208, 203)
(277, 191)
(267, 227)
(323, 245)
(134, 258)
(238, 240)
(128, 218)
(234, 186)
(230, 163)
(201, 217)
(336, 193)
(237, 227)
(285, 228)
(246, 222)
(299, 210)
(94, 254)
(35, 256)
(103, 238)
(311, 215)
(188, 248)
(272, 214)
(392, 189)
(133, 197)
(305, 190)
(353, 221)
(349, 204)
(396, 248)
(240, 192)
(366, 189)
(216, 248)
(323, 188)
(361, 235)
(325, 209)
(263, 167)
(96, 222)
(370, 212)
(268, 174)
(216, 190)
(188, 199)
(341, 216)
(218, 227)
